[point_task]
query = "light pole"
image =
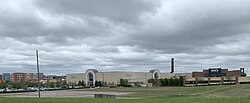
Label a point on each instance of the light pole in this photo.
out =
(38, 74)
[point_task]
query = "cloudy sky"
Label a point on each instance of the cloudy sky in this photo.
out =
(123, 35)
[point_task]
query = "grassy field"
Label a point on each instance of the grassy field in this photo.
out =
(148, 100)
(225, 91)
(208, 94)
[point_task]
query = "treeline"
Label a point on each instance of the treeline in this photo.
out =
(25, 85)
(123, 82)
(173, 81)
(97, 84)
(80, 83)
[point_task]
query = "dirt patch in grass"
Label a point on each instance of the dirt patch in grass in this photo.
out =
(63, 94)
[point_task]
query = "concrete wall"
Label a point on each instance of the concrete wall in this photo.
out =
(114, 77)
(244, 79)
(217, 80)
(167, 75)
(186, 75)
(75, 78)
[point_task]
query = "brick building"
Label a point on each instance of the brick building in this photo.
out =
(30, 77)
(19, 77)
(41, 76)
(23, 77)
(218, 72)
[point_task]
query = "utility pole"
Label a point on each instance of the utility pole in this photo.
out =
(38, 74)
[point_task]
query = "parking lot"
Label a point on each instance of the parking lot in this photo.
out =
(62, 94)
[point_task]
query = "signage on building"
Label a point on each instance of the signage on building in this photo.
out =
(214, 70)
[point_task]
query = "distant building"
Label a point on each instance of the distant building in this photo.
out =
(41, 76)
(19, 77)
(49, 77)
(54, 79)
(1, 77)
(217, 76)
(113, 78)
(218, 72)
(30, 77)
(6, 77)
(23, 77)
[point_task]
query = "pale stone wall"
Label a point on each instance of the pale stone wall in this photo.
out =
(114, 77)
(75, 78)
(149, 76)
(244, 79)
(109, 77)
(167, 75)
(187, 75)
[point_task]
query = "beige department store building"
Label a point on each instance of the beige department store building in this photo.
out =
(92, 75)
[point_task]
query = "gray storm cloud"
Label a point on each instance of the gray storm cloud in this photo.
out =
(135, 35)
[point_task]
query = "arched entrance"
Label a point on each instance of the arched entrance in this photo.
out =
(90, 79)
(156, 75)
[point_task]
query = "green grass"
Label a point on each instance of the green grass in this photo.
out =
(148, 100)
(207, 94)
(203, 91)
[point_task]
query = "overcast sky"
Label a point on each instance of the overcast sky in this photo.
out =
(123, 35)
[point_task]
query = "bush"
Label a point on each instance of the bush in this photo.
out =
(3, 85)
(164, 82)
(153, 81)
(173, 81)
(98, 83)
(81, 83)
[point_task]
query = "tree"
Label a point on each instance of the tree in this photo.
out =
(162, 82)
(51, 85)
(105, 83)
(166, 81)
(30, 84)
(79, 83)
(152, 81)
(58, 84)
(123, 82)
(176, 82)
(13, 85)
(23, 85)
(46, 84)
(3, 85)
(171, 82)
(98, 83)
(83, 83)
(63, 84)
